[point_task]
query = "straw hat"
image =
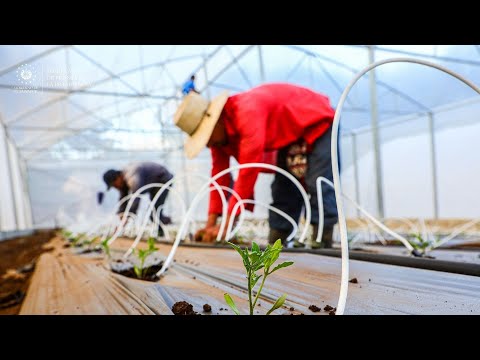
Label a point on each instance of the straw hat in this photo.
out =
(197, 117)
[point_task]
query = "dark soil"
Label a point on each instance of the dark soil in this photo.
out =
(183, 308)
(314, 308)
(207, 308)
(11, 299)
(18, 257)
(328, 308)
(332, 312)
(354, 281)
(126, 269)
(90, 250)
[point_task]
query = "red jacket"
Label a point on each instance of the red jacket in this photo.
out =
(264, 119)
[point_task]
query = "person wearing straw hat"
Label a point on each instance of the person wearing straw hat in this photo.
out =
(293, 121)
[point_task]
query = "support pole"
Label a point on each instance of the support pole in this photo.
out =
(207, 88)
(260, 64)
(376, 142)
(433, 154)
(10, 175)
(27, 200)
(355, 171)
(185, 181)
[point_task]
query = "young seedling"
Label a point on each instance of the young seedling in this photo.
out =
(255, 260)
(74, 240)
(142, 256)
(419, 243)
(88, 242)
(106, 247)
(66, 234)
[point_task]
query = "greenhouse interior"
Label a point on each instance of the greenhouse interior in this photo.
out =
(153, 179)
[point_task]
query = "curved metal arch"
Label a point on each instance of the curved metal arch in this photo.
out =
(335, 166)
(87, 112)
(354, 71)
(93, 84)
(33, 58)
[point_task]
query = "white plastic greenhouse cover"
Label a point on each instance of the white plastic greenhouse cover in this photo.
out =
(69, 113)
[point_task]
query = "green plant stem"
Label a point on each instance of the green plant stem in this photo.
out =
(249, 273)
(142, 262)
(260, 288)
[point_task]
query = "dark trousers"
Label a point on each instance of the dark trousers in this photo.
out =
(160, 201)
(287, 197)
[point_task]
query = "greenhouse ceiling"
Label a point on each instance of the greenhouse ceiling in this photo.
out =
(100, 102)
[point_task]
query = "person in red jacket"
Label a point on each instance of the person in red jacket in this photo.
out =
(293, 121)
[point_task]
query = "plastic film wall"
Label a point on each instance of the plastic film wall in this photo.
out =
(15, 212)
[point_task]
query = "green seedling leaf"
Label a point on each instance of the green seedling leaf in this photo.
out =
(278, 245)
(255, 279)
(259, 266)
(254, 257)
(141, 254)
(277, 304)
(273, 253)
(87, 242)
(246, 262)
(240, 251)
(151, 244)
(106, 247)
(231, 303)
(282, 265)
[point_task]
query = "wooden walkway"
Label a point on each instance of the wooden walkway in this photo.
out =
(64, 283)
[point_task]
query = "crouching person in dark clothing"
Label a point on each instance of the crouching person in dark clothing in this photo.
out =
(133, 177)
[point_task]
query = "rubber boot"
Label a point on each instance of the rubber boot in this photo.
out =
(160, 232)
(275, 234)
(315, 245)
(327, 238)
(297, 244)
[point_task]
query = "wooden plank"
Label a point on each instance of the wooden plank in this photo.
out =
(194, 288)
(73, 286)
(315, 279)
